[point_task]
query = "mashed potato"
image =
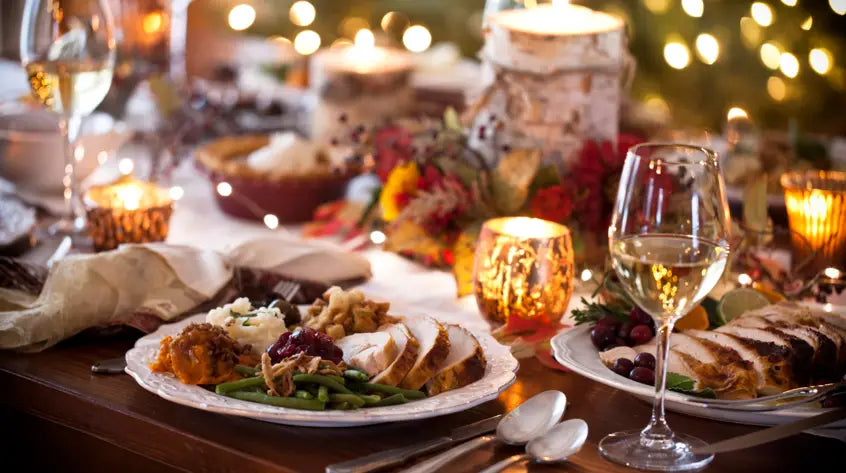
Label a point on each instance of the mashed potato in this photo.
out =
(259, 327)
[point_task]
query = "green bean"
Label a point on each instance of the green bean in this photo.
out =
(246, 370)
(341, 406)
(300, 394)
(224, 388)
(370, 398)
(352, 399)
(290, 402)
(323, 381)
(323, 393)
(384, 388)
(356, 375)
(336, 378)
(390, 401)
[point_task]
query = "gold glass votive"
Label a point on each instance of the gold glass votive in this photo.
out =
(816, 210)
(523, 268)
(127, 211)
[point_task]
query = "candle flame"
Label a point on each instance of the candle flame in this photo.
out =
(560, 3)
(129, 196)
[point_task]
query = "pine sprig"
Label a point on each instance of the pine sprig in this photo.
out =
(593, 311)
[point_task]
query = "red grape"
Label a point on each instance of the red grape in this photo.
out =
(641, 334)
(609, 321)
(642, 375)
(625, 330)
(602, 336)
(645, 360)
(638, 316)
(623, 367)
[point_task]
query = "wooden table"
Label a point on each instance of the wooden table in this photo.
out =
(56, 414)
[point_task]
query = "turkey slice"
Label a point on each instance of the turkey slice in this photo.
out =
(369, 352)
(465, 363)
(407, 346)
(434, 348)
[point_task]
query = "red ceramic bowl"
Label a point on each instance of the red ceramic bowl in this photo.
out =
(292, 199)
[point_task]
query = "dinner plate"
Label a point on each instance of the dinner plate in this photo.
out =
(574, 350)
(499, 375)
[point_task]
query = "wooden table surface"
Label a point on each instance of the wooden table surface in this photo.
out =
(57, 414)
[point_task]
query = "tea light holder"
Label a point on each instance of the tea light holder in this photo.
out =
(127, 211)
(523, 268)
(816, 210)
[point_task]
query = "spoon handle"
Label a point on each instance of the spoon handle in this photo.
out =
(435, 463)
(505, 463)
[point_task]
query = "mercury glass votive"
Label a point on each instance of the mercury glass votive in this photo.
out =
(127, 211)
(523, 268)
(816, 210)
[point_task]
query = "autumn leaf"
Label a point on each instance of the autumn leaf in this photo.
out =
(512, 178)
(464, 250)
(406, 236)
(452, 121)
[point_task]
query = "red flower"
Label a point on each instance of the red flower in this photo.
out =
(392, 146)
(553, 203)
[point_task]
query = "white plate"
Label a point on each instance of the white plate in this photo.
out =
(574, 350)
(499, 375)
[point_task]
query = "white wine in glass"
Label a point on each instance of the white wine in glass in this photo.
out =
(669, 246)
(68, 50)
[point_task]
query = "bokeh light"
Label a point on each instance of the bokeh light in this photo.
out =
(224, 189)
(770, 55)
(839, 6)
(820, 60)
(377, 237)
(302, 13)
(241, 17)
(417, 38)
(735, 113)
(271, 221)
(694, 8)
(750, 32)
(364, 38)
(789, 65)
(707, 48)
(762, 13)
(789, 3)
(176, 192)
(776, 88)
(307, 42)
(677, 55)
(152, 22)
(657, 6)
(126, 166)
(394, 21)
(807, 24)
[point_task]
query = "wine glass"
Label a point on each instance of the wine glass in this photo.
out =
(68, 50)
(668, 240)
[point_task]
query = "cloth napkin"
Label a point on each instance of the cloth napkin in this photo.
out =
(147, 284)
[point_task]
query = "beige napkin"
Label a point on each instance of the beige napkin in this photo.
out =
(143, 285)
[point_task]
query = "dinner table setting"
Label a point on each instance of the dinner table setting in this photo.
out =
(344, 237)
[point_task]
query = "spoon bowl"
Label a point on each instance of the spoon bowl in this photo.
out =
(532, 418)
(559, 443)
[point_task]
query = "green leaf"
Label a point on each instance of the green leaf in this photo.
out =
(165, 93)
(452, 121)
(466, 173)
(682, 384)
(547, 176)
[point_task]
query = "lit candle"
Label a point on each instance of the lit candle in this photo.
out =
(127, 211)
(559, 68)
(365, 83)
(816, 210)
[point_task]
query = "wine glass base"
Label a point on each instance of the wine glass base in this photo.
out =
(626, 449)
(73, 227)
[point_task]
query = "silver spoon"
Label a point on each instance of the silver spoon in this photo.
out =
(528, 421)
(558, 444)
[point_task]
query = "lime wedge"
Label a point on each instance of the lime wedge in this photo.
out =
(738, 301)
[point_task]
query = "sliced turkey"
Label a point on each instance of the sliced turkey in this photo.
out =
(369, 352)
(407, 347)
(465, 363)
(434, 348)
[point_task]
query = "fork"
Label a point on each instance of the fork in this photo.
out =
(287, 289)
(806, 395)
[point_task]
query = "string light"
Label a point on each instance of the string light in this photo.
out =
(694, 8)
(241, 17)
(789, 65)
(126, 166)
(776, 88)
(750, 32)
(307, 42)
(707, 48)
(377, 237)
(839, 6)
(79, 153)
(417, 38)
(224, 189)
(271, 221)
(586, 275)
(152, 22)
(302, 13)
(789, 3)
(364, 38)
(657, 6)
(770, 55)
(176, 192)
(832, 273)
(735, 113)
(744, 279)
(762, 14)
(807, 24)
(394, 20)
(677, 55)
(820, 60)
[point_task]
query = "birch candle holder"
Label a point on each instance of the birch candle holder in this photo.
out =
(555, 77)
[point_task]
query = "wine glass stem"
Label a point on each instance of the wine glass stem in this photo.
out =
(658, 434)
(69, 127)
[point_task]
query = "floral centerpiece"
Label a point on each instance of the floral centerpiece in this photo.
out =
(440, 181)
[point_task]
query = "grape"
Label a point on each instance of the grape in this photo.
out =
(642, 375)
(645, 360)
(609, 322)
(638, 316)
(641, 334)
(623, 367)
(602, 336)
(625, 330)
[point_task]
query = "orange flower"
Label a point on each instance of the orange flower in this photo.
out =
(398, 190)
